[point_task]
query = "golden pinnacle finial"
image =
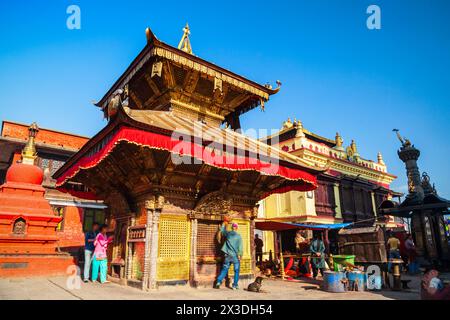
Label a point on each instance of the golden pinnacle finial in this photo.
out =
(380, 158)
(185, 43)
(29, 151)
(354, 149)
(338, 139)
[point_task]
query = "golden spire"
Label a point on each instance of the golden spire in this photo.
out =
(29, 151)
(354, 149)
(380, 158)
(185, 43)
(338, 140)
(299, 125)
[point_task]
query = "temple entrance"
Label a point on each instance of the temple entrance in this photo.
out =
(208, 250)
(119, 253)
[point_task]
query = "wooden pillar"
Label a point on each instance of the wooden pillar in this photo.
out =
(193, 274)
(253, 216)
(326, 241)
(337, 201)
(275, 243)
(153, 254)
(150, 209)
(129, 259)
(281, 256)
(374, 205)
(252, 245)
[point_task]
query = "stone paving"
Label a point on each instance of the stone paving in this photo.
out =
(56, 288)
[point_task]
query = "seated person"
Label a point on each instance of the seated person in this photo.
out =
(432, 288)
(304, 268)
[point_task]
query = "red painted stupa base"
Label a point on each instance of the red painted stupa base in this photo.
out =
(28, 240)
(31, 265)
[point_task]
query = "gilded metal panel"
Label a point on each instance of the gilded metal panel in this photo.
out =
(173, 248)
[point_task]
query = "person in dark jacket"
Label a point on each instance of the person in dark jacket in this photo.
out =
(317, 249)
(89, 238)
(233, 251)
(259, 244)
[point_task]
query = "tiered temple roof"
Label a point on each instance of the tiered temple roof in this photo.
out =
(165, 78)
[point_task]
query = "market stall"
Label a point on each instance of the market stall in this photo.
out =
(276, 226)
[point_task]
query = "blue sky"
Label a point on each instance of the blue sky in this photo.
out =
(337, 75)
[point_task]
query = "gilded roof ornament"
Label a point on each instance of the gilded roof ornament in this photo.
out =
(339, 141)
(29, 153)
(288, 124)
(354, 149)
(380, 158)
(299, 125)
(185, 43)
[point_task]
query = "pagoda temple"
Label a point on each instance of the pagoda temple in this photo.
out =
(171, 164)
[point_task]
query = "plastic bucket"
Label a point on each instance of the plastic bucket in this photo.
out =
(356, 281)
(333, 281)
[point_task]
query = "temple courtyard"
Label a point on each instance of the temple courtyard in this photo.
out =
(55, 288)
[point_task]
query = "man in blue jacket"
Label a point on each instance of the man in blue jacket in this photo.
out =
(89, 238)
(232, 249)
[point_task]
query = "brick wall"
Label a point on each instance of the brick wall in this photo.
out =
(56, 138)
(71, 237)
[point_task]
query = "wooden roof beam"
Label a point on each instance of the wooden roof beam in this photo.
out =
(135, 99)
(237, 101)
(152, 84)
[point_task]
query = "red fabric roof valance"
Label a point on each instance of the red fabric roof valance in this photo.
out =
(186, 148)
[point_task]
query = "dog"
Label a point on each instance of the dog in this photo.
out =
(255, 286)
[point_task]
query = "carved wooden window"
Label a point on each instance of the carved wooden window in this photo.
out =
(91, 216)
(359, 201)
(207, 245)
(52, 164)
(347, 199)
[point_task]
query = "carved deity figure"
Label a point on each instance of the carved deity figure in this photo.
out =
(404, 141)
(217, 202)
(426, 184)
(19, 226)
(353, 146)
(119, 99)
(349, 152)
(411, 185)
(114, 103)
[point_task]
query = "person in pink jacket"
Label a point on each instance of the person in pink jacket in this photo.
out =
(100, 259)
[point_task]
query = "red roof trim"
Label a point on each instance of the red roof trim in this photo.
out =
(159, 141)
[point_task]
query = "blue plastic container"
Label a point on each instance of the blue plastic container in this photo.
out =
(334, 281)
(356, 280)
